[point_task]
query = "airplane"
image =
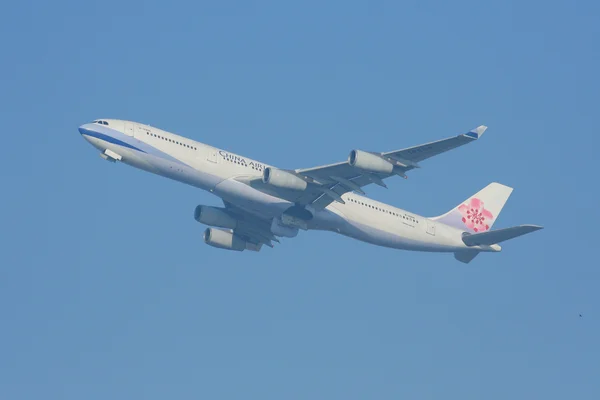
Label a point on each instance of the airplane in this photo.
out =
(262, 203)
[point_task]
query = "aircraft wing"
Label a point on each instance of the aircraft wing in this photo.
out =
(251, 228)
(328, 182)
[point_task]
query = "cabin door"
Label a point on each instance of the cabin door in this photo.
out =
(128, 128)
(211, 155)
(431, 228)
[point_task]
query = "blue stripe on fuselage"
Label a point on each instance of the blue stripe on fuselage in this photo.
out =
(119, 138)
(108, 138)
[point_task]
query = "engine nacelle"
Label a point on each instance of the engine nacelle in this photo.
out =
(282, 179)
(370, 162)
(279, 229)
(214, 216)
(223, 240)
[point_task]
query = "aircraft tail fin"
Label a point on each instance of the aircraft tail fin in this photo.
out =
(479, 212)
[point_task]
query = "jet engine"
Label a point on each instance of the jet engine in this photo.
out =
(280, 229)
(283, 179)
(369, 162)
(214, 216)
(222, 239)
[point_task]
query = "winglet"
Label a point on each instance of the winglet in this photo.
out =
(477, 132)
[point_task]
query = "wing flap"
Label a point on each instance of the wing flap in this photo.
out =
(251, 228)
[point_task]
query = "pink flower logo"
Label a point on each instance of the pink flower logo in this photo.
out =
(475, 216)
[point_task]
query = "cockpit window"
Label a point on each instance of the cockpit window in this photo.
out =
(105, 123)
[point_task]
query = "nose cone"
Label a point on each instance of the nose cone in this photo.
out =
(86, 129)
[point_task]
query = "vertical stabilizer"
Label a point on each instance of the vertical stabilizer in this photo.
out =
(479, 212)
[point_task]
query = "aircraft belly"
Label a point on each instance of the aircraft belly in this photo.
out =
(173, 170)
(391, 233)
(382, 237)
(254, 201)
(178, 171)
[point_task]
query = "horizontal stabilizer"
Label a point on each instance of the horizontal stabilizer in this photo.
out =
(466, 256)
(499, 235)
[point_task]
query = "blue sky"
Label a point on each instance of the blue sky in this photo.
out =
(107, 291)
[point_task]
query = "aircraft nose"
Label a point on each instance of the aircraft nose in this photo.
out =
(86, 128)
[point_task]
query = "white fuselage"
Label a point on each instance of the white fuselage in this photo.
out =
(222, 173)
